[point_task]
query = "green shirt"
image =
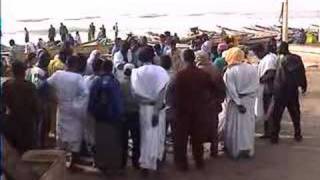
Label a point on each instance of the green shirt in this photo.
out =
(220, 63)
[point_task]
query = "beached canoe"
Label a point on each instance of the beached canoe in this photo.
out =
(85, 48)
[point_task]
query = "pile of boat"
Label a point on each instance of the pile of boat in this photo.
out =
(246, 35)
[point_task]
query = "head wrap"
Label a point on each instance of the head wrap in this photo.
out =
(245, 49)
(206, 47)
(222, 47)
(234, 56)
(202, 58)
(146, 54)
(95, 54)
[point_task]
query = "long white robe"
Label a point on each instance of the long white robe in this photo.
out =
(241, 80)
(148, 83)
(118, 59)
(89, 121)
(71, 98)
(269, 62)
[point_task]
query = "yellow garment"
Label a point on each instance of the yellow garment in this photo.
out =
(234, 56)
(311, 38)
(55, 65)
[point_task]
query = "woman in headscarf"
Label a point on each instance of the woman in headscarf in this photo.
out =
(220, 62)
(203, 62)
(94, 55)
(206, 47)
(242, 83)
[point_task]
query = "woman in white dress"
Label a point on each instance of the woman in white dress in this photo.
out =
(242, 83)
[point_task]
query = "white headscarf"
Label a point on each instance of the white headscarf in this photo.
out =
(206, 47)
(94, 55)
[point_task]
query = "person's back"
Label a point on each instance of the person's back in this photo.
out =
(67, 84)
(203, 62)
(293, 74)
(190, 95)
(21, 102)
(290, 75)
(147, 74)
(220, 63)
(14, 92)
(105, 99)
(245, 78)
(55, 65)
(192, 90)
(36, 76)
(105, 104)
(130, 102)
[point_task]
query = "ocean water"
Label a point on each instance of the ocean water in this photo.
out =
(142, 18)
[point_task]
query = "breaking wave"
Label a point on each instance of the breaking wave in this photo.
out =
(33, 20)
(196, 14)
(153, 15)
(82, 18)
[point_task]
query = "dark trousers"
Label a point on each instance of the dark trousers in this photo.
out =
(63, 37)
(109, 146)
(267, 98)
(181, 133)
(293, 105)
(131, 129)
(51, 39)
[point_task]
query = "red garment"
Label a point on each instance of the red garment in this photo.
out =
(193, 103)
(21, 103)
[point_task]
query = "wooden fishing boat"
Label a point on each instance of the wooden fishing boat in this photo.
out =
(233, 31)
(271, 29)
(263, 30)
(85, 48)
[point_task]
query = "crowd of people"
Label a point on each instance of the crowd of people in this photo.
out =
(148, 95)
(65, 36)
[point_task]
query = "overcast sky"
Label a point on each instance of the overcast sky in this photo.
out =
(23, 9)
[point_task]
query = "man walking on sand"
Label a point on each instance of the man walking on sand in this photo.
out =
(289, 77)
(190, 96)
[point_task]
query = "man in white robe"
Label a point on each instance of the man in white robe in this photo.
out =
(266, 72)
(120, 58)
(242, 83)
(70, 91)
(148, 84)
